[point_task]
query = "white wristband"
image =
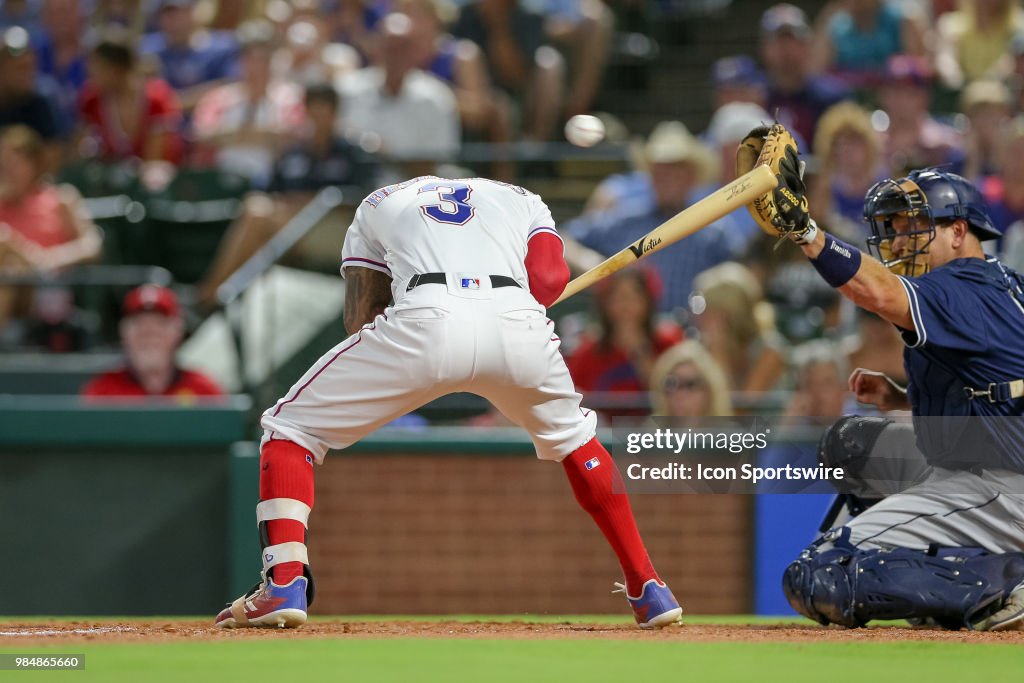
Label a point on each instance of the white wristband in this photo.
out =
(808, 234)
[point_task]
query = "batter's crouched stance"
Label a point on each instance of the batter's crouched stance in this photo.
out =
(471, 265)
(939, 534)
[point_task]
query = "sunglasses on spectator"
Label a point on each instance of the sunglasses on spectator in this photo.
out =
(674, 383)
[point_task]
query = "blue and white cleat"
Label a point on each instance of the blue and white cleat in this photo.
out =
(267, 605)
(656, 607)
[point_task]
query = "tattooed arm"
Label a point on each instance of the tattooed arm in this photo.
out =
(367, 294)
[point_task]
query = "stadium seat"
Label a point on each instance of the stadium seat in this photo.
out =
(111, 193)
(188, 218)
(94, 178)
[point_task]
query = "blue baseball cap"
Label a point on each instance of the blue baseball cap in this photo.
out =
(737, 71)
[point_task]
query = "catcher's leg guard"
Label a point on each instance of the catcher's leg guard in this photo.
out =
(835, 582)
(878, 457)
(847, 443)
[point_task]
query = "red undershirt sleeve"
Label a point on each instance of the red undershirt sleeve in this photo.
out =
(546, 267)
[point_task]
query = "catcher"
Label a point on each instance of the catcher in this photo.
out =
(945, 549)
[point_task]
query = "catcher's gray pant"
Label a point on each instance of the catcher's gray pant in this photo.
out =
(923, 505)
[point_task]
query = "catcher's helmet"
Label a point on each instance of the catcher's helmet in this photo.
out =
(924, 197)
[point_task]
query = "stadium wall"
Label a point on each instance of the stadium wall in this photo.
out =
(134, 511)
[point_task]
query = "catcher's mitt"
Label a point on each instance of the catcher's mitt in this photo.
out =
(783, 211)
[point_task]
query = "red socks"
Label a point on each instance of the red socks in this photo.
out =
(286, 471)
(594, 487)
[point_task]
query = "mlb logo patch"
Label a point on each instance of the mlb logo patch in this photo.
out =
(592, 463)
(470, 283)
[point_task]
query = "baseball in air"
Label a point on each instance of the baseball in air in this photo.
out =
(584, 130)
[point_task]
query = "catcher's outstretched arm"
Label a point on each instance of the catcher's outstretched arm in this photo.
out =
(872, 287)
(784, 211)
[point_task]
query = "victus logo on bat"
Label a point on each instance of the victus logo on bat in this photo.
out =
(642, 247)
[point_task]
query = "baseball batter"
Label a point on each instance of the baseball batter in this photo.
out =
(470, 266)
(946, 546)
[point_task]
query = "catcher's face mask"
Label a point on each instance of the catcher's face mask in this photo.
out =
(902, 226)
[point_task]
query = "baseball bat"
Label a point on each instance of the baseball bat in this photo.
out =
(739, 192)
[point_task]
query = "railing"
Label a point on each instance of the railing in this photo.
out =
(743, 402)
(115, 206)
(231, 292)
(92, 275)
(97, 291)
(294, 230)
(486, 152)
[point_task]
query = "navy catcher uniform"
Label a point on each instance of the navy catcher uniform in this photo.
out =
(938, 504)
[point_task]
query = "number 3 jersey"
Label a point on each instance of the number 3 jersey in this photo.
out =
(437, 225)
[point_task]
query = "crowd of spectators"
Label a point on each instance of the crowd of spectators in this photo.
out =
(872, 89)
(290, 96)
(298, 95)
(243, 87)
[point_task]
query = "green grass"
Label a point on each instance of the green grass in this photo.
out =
(411, 660)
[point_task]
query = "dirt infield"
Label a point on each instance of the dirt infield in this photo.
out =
(44, 633)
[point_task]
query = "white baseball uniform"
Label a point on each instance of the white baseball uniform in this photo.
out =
(437, 339)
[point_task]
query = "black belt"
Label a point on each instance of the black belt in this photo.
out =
(442, 279)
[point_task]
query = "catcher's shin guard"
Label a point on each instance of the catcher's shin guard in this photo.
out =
(848, 586)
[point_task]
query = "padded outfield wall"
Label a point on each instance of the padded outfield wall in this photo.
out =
(151, 511)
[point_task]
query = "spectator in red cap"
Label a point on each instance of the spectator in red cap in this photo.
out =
(151, 332)
(619, 358)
